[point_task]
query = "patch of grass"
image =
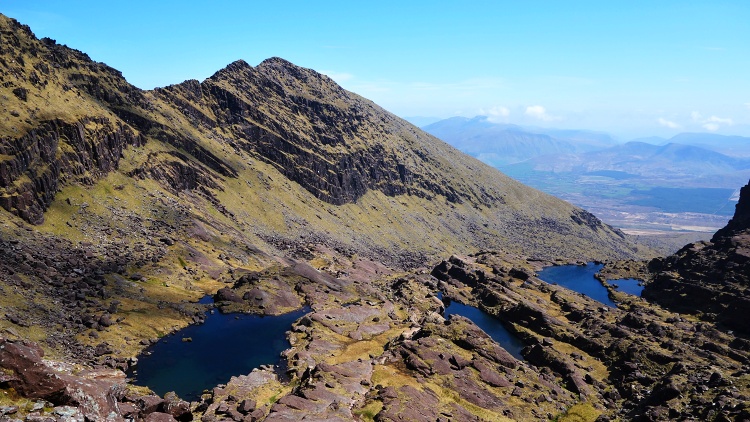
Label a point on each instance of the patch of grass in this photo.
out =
(363, 349)
(580, 412)
(368, 412)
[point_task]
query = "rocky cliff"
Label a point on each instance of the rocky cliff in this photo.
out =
(711, 279)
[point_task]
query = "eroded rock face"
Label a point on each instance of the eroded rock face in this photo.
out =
(54, 153)
(30, 376)
(710, 278)
(740, 222)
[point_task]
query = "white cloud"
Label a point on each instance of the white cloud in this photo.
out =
(711, 127)
(540, 113)
(668, 123)
(499, 111)
(496, 114)
(712, 123)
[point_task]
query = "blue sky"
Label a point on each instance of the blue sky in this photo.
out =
(631, 68)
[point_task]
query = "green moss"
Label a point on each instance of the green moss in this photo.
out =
(580, 412)
(368, 412)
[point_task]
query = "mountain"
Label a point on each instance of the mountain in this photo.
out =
(276, 150)
(735, 146)
(420, 121)
(501, 144)
(644, 159)
(269, 188)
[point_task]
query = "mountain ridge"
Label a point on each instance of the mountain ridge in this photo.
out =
(335, 144)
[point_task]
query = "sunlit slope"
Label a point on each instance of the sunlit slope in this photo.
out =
(277, 155)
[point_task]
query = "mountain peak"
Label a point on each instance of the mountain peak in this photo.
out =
(235, 68)
(277, 62)
(741, 219)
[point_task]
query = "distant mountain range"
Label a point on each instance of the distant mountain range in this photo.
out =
(735, 146)
(696, 175)
(643, 159)
(501, 144)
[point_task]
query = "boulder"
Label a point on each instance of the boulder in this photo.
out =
(31, 377)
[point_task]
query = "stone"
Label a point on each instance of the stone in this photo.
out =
(150, 404)
(159, 417)
(225, 294)
(246, 406)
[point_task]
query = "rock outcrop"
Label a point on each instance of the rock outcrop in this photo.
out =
(95, 395)
(54, 153)
(711, 279)
(637, 361)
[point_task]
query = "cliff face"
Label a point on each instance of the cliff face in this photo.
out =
(740, 221)
(53, 153)
(333, 143)
(710, 278)
(56, 129)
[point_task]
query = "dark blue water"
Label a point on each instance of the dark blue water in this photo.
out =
(225, 345)
(628, 285)
(490, 325)
(580, 278)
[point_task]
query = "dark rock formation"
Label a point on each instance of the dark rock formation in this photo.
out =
(741, 220)
(53, 153)
(711, 279)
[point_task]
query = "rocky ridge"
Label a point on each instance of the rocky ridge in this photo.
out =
(247, 133)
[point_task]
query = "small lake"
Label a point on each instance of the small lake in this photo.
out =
(580, 278)
(225, 345)
(489, 324)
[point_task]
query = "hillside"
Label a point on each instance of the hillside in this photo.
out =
(276, 150)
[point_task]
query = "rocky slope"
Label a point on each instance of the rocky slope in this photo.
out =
(269, 187)
(710, 279)
(260, 134)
